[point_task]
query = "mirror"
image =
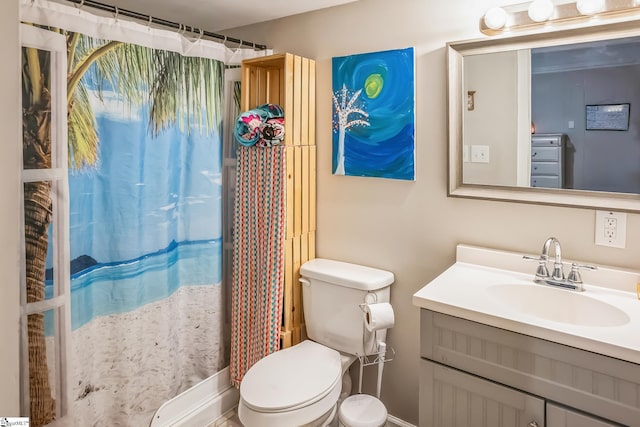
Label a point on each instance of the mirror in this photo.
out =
(550, 118)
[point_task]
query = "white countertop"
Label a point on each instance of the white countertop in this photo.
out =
(463, 291)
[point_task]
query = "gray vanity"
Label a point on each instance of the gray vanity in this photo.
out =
(488, 362)
(477, 375)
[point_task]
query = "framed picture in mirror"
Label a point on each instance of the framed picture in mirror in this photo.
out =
(608, 117)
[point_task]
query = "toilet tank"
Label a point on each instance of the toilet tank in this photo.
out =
(332, 292)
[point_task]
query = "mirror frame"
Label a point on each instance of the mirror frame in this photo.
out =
(544, 196)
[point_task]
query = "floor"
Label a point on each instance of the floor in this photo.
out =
(230, 419)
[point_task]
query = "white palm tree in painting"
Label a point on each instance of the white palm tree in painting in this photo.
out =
(345, 107)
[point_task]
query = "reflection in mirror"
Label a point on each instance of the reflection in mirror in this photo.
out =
(540, 137)
(591, 93)
(543, 112)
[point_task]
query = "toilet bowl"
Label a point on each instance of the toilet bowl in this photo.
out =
(301, 385)
(297, 386)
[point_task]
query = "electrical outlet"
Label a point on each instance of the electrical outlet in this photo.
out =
(610, 233)
(611, 229)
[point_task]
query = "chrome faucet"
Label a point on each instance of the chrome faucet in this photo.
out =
(557, 278)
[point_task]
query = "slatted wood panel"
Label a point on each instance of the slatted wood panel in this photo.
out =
(289, 80)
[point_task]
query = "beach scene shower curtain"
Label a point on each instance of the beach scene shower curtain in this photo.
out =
(143, 228)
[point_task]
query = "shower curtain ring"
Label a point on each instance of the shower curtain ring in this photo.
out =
(149, 23)
(115, 16)
(80, 6)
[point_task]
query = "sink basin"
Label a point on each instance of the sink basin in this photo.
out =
(557, 305)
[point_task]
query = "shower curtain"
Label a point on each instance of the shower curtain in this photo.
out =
(144, 109)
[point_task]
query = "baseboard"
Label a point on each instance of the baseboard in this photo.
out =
(397, 422)
(200, 405)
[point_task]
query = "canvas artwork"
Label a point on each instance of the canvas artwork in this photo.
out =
(374, 114)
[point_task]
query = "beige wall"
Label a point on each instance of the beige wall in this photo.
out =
(494, 120)
(9, 209)
(412, 228)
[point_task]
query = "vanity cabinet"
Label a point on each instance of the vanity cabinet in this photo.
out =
(449, 397)
(473, 374)
(558, 416)
(547, 160)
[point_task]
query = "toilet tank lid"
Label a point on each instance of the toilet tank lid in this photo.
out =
(346, 274)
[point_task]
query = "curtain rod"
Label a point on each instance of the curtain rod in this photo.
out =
(152, 19)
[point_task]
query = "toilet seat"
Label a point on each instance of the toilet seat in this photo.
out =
(293, 386)
(291, 378)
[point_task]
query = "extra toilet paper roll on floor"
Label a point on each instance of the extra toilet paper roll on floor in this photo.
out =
(378, 316)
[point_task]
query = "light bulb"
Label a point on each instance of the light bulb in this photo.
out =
(540, 10)
(495, 18)
(590, 7)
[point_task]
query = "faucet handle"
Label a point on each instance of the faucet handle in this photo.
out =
(574, 274)
(587, 266)
(542, 271)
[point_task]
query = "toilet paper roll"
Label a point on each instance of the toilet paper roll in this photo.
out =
(378, 316)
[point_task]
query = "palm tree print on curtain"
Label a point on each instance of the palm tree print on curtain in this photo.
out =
(175, 92)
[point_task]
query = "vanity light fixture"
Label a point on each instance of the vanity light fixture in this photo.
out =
(540, 10)
(590, 7)
(547, 15)
(495, 18)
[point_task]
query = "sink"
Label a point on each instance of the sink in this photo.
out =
(557, 305)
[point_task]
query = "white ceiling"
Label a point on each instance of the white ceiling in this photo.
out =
(218, 15)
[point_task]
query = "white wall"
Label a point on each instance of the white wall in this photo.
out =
(9, 209)
(412, 228)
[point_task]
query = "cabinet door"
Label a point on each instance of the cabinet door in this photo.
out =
(557, 416)
(451, 398)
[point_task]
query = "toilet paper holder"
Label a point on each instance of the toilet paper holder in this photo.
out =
(377, 317)
(383, 353)
(374, 359)
(379, 359)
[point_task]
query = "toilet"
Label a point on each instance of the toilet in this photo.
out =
(300, 386)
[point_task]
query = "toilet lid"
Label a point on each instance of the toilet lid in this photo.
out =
(290, 378)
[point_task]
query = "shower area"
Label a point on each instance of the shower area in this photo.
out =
(127, 196)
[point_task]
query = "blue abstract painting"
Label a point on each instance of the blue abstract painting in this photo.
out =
(374, 114)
